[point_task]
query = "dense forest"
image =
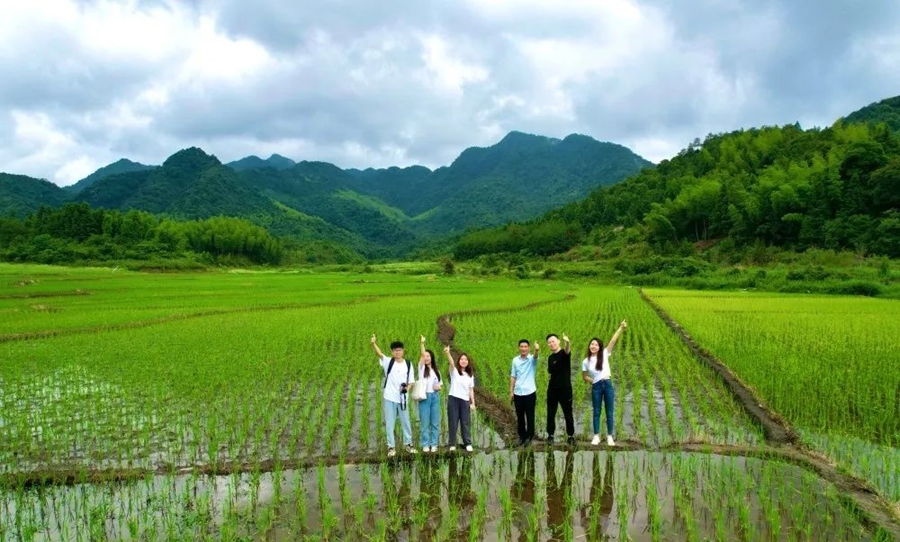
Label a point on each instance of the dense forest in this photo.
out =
(835, 188)
(76, 233)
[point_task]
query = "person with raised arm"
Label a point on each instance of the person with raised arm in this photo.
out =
(397, 380)
(559, 390)
(523, 390)
(430, 407)
(462, 398)
(595, 371)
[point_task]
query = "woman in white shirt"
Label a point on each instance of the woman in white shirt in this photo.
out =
(430, 408)
(596, 372)
(462, 398)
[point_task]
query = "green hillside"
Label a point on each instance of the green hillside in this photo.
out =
(120, 166)
(21, 195)
(886, 111)
(835, 188)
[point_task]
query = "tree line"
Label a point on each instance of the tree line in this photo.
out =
(834, 188)
(77, 233)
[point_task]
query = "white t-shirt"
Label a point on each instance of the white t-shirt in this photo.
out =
(590, 365)
(460, 384)
(397, 377)
(430, 381)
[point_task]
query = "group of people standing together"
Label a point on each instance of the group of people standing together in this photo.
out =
(425, 384)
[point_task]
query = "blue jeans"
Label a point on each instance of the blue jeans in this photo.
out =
(391, 411)
(430, 419)
(603, 392)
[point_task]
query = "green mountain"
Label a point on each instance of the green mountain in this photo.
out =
(276, 161)
(383, 212)
(120, 166)
(886, 111)
(835, 188)
(21, 195)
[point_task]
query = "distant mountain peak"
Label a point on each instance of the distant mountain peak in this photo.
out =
(194, 156)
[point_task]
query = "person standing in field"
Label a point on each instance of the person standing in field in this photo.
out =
(523, 390)
(596, 372)
(430, 408)
(397, 379)
(559, 390)
(462, 398)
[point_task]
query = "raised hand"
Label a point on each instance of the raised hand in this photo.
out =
(566, 338)
(624, 324)
(422, 340)
(374, 340)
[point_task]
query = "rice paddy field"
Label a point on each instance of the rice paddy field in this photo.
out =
(247, 406)
(830, 365)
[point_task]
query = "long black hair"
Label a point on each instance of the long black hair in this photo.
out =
(599, 364)
(430, 365)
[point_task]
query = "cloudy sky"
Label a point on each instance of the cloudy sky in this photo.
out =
(364, 83)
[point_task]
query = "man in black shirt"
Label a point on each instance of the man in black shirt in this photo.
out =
(559, 391)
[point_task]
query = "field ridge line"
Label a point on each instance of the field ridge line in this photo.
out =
(872, 509)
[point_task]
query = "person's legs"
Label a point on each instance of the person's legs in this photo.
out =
(424, 421)
(552, 403)
(435, 418)
(465, 420)
(596, 396)
(453, 418)
(530, 404)
(609, 397)
(406, 426)
(390, 420)
(565, 401)
(519, 401)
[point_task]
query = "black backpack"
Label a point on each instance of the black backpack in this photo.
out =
(391, 366)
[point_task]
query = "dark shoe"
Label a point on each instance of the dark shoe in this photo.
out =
(549, 440)
(522, 442)
(571, 441)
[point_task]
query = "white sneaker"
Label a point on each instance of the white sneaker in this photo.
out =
(392, 452)
(610, 441)
(411, 450)
(434, 449)
(596, 440)
(469, 448)
(453, 448)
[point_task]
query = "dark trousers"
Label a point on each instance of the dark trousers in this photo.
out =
(560, 397)
(525, 414)
(459, 414)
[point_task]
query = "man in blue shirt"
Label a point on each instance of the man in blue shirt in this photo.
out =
(523, 390)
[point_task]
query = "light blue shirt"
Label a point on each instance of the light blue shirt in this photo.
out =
(523, 371)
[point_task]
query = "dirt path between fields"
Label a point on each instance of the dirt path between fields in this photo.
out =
(872, 510)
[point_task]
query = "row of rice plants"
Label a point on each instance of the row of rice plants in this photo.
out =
(522, 496)
(828, 364)
(663, 395)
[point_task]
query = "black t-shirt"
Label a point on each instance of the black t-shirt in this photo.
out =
(559, 365)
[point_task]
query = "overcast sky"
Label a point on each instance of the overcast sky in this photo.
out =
(363, 83)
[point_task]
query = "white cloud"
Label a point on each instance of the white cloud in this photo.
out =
(85, 82)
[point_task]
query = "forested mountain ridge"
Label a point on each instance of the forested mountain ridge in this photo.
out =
(385, 212)
(836, 188)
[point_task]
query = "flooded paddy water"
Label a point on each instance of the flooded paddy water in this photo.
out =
(504, 495)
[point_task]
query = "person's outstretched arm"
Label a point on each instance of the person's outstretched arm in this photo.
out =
(537, 350)
(568, 344)
(422, 346)
(615, 338)
(449, 357)
(375, 346)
